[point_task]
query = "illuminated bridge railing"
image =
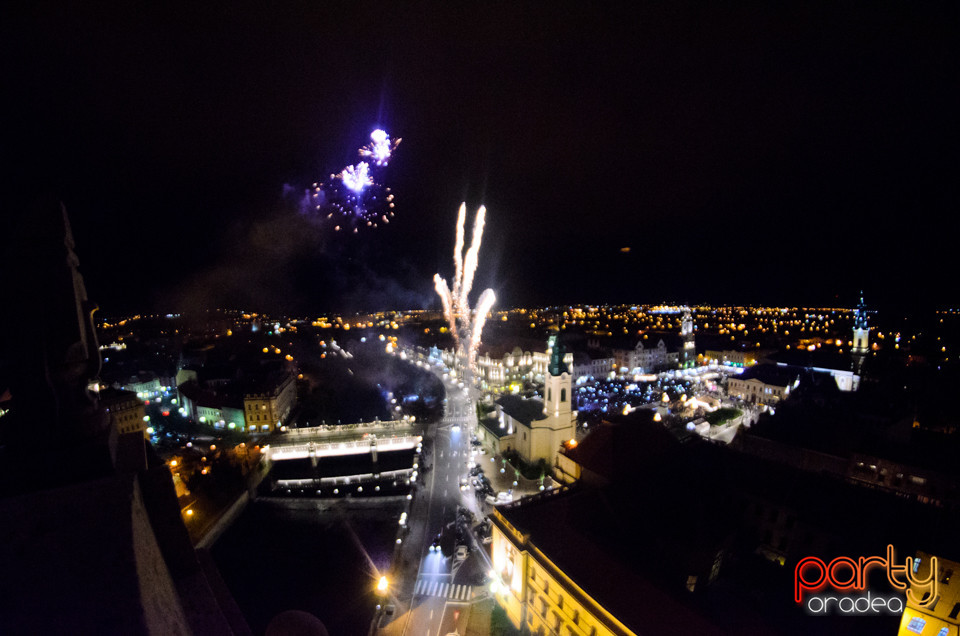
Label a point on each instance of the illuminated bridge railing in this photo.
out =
(332, 449)
(355, 428)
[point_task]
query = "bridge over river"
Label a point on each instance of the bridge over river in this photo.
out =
(355, 459)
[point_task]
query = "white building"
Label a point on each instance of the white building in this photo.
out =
(763, 384)
(586, 365)
(514, 368)
(145, 385)
(644, 358)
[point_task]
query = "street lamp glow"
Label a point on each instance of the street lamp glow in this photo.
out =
(382, 585)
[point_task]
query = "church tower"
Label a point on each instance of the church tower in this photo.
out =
(558, 382)
(688, 354)
(559, 424)
(861, 335)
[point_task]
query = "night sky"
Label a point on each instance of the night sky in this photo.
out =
(772, 154)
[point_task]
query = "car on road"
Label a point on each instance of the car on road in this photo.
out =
(462, 553)
(435, 546)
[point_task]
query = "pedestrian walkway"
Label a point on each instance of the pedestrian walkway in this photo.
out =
(442, 589)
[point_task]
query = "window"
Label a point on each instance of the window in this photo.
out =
(955, 610)
(946, 576)
(563, 395)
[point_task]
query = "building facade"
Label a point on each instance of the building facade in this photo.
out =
(511, 370)
(537, 595)
(942, 614)
(587, 366)
(268, 406)
(218, 409)
(126, 410)
(144, 385)
(644, 358)
(731, 357)
(763, 384)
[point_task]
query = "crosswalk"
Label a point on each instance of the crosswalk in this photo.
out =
(442, 589)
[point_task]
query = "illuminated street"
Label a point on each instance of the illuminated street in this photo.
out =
(432, 584)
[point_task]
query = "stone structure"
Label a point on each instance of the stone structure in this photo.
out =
(92, 540)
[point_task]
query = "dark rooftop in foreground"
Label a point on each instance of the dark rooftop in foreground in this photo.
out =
(771, 374)
(523, 410)
(570, 529)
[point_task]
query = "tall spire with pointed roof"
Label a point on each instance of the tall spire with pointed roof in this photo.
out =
(860, 317)
(556, 366)
(861, 335)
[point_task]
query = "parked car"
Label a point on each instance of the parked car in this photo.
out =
(461, 553)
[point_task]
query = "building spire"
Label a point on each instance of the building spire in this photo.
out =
(557, 366)
(860, 317)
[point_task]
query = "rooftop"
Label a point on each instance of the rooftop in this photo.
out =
(771, 374)
(523, 410)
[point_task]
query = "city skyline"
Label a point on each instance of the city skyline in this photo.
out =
(779, 155)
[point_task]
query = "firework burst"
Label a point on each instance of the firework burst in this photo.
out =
(380, 148)
(353, 198)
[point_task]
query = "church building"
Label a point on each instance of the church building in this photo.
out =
(536, 429)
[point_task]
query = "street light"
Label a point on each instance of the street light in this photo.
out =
(382, 585)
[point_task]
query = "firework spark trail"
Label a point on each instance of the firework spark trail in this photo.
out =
(470, 264)
(458, 256)
(464, 324)
(444, 292)
(484, 305)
